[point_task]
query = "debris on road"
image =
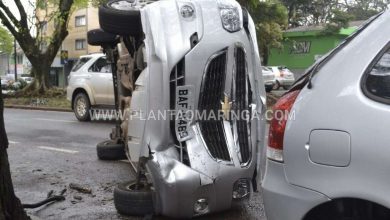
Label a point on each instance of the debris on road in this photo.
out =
(50, 198)
(77, 197)
(80, 188)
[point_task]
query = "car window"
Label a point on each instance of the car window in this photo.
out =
(378, 78)
(100, 66)
(80, 63)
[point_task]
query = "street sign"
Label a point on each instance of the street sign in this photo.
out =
(64, 56)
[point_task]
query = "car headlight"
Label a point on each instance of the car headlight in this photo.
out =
(230, 16)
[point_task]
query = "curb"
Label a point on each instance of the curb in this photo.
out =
(27, 107)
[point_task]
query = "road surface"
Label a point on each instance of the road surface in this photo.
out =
(50, 150)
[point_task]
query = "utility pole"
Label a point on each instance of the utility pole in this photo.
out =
(15, 56)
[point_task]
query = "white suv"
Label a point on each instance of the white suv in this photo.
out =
(90, 85)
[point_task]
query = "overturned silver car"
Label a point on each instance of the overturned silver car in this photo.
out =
(196, 102)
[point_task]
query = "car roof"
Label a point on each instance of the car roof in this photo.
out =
(93, 55)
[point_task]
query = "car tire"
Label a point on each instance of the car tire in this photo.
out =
(286, 87)
(98, 37)
(108, 150)
(125, 22)
(268, 88)
(81, 107)
(129, 201)
(276, 86)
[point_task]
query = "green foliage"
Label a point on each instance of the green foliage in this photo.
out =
(97, 3)
(340, 19)
(270, 18)
(314, 12)
(6, 41)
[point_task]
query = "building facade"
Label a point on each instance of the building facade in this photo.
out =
(7, 63)
(302, 46)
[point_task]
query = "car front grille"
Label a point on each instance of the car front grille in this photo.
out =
(243, 98)
(210, 101)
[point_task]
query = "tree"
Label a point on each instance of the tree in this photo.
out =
(10, 206)
(21, 26)
(271, 19)
(339, 19)
(6, 41)
(314, 12)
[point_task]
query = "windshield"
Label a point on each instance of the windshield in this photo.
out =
(80, 63)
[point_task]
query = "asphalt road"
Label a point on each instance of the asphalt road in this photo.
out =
(50, 150)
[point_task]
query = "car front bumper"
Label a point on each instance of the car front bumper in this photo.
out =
(178, 186)
(283, 200)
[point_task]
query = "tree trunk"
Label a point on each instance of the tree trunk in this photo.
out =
(265, 54)
(10, 206)
(41, 79)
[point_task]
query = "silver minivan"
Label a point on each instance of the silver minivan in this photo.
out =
(328, 158)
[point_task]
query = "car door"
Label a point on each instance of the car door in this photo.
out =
(101, 81)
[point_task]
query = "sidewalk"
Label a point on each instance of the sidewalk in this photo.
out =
(38, 108)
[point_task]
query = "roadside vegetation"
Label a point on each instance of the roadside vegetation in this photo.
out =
(53, 98)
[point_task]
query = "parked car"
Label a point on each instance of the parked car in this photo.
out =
(90, 85)
(187, 167)
(330, 160)
(4, 84)
(269, 78)
(27, 78)
(283, 77)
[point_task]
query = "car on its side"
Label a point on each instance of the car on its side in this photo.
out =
(90, 85)
(283, 77)
(269, 78)
(329, 159)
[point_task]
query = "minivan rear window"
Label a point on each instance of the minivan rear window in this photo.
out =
(80, 63)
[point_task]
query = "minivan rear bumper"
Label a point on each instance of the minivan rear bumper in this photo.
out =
(283, 200)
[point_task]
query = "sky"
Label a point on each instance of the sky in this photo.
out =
(27, 6)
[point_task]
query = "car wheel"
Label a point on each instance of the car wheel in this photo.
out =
(286, 87)
(131, 201)
(268, 88)
(81, 107)
(98, 37)
(276, 86)
(120, 17)
(108, 150)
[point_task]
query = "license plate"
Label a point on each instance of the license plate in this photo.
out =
(184, 112)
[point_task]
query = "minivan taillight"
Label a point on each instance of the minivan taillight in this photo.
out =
(281, 114)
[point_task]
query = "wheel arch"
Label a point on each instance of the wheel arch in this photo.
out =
(85, 91)
(348, 207)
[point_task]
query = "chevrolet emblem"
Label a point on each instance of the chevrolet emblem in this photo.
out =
(226, 106)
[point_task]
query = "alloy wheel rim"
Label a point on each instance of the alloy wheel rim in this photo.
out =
(81, 107)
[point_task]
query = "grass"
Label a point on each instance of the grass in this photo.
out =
(58, 102)
(53, 98)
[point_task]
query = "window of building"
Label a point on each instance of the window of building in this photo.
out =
(80, 21)
(377, 83)
(81, 44)
(19, 58)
